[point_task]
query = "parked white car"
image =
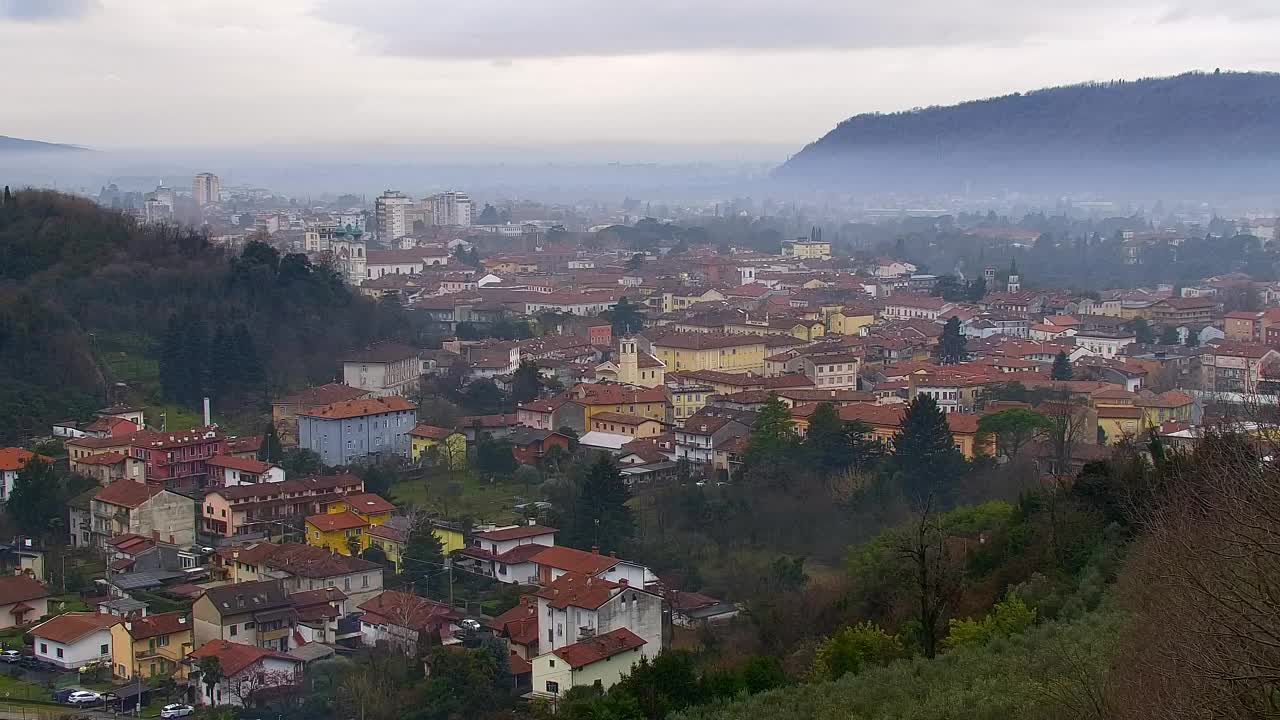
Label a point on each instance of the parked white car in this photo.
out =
(176, 711)
(84, 697)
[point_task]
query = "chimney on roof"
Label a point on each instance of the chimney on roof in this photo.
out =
(624, 582)
(613, 554)
(595, 549)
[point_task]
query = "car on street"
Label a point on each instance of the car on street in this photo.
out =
(176, 711)
(470, 624)
(84, 697)
(10, 656)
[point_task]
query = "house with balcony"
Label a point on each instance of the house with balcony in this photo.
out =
(577, 606)
(354, 431)
(145, 509)
(598, 661)
(229, 471)
(151, 646)
(247, 672)
(702, 435)
(227, 512)
(400, 619)
(382, 369)
(254, 613)
(303, 567)
(505, 553)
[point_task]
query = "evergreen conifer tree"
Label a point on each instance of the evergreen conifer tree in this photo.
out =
(951, 346)
(1061, 367)
(601, 517)
(924, 451)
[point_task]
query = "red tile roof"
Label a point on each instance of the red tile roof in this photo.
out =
(407, 610)
(256, 467)
(20, 588)
(368, 503)
(156, 625)
(431, 431)
(70, 627)
(235, 657)
(14, 458)
(127, 493)
(519, 532)
(332, 522)
(361, 408)
(571, 560)
(107, 458)
(578, 590)
(322, 395)
(601, 647)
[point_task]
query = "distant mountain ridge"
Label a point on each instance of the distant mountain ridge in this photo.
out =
(1192, 130)
(17, 145)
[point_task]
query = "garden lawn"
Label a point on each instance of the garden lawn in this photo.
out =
(468, 497)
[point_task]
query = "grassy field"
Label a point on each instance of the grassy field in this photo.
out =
(468, 497)
(12, 688)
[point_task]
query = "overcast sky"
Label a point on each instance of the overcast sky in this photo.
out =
(237, 73)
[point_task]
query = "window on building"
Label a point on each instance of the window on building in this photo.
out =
(44, 648)
(234, 631)
(105, 649)
(59, 652)
(553, 687)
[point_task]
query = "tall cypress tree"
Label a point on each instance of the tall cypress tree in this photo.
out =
(951, 346)
(924, 451)
(1061, 367)
(222, 363)
(270, 450)
(600, 515)
(171, 359)
(248, 365)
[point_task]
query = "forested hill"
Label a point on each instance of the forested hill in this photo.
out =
(1210, 132)
(89, 298)
(19, 145)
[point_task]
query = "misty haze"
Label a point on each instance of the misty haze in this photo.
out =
(412, 360)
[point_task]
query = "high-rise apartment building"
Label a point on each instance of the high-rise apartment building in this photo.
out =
(450, 208)
(206, 189)
(389, 209)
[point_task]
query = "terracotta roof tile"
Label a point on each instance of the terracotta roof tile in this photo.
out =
(20, 588)
(70, 627)
(601, 647)
(235, 657)
(361, 408)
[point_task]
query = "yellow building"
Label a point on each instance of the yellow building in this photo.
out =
(344, 528)
(1159, 409)
(449, 447)
(632, 367)
(807, 249)
(681, 299)
(151, 646)
(393, 540)
(687, 400)
(850, 321)
(623, 424)
(595, 398)
(807, 330)
(709, 351)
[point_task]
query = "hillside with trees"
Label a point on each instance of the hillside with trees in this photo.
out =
(89, 298)
(1215, 132)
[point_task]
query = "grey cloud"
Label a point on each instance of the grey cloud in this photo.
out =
(45, 10)
(567, 28)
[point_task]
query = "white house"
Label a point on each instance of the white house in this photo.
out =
(1101, 342)
(246, 671)
(400, 619)
(603, 659)
(233, 471)
(73, 640)
(22, 599)
(576, 607)
(12, 460)
(506, 553)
